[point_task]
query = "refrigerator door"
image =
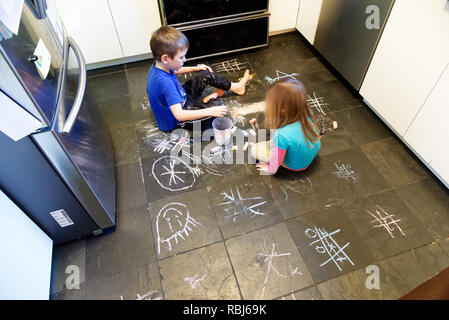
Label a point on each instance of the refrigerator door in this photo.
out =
(19, 51)
(79, 145)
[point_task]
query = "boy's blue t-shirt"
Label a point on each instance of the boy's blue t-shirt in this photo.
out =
(163, 91)
(300, 154)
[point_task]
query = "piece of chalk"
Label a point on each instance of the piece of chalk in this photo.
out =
(235, 148)
(215, 149)
(334, 125)
(244, 133)
(252, 132)
(245, 146)
(233, 129)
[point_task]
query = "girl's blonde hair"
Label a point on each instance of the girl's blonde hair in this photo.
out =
(286, 104)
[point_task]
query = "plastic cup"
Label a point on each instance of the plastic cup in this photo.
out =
(222, 130)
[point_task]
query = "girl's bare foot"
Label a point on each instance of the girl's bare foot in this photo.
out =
(214, 95)
(240, 87)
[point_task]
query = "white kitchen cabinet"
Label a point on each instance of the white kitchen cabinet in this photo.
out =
(283, 14)
(411, 56)
(135, 21)
(91, 25)
(428, 134)
(308, 16)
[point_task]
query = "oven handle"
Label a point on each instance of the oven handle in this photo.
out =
(70, 121)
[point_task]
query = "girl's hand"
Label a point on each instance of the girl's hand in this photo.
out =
(204, 67)
(218, 111)
(262, 167)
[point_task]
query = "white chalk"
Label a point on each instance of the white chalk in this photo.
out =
(245, 134)
(235, 148)
(215, 149)
(245, 146)
(234, 128)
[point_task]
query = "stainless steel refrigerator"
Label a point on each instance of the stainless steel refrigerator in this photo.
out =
(62, 175)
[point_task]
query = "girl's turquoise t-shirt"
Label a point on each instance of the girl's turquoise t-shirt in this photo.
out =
(300, 154)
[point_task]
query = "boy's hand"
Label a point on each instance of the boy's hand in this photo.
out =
(218, 111)
(204, 67)
(263, 167)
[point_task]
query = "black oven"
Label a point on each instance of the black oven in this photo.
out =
(216, 27)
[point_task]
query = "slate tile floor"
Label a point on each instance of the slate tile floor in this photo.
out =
(227, 232)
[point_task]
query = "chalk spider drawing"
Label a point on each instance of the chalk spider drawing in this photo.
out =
(173, 173)
(229, 66)
(298, 185)
(345, 172)
(238, 207)
(317, 103)
(385, 220)
(176, 217)
(328, 245)
(195, 280)
(281, 75)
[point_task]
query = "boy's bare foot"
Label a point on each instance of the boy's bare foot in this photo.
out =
(214, 95)
(240, 87)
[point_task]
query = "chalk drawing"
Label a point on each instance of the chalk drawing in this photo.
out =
(344, 171)
(229, 66)
(298, 185)
(147, 296)
(177, 217)
(328, 245)
(178, 177)
(385, 220)
(145, 104)
(236, 206)
(317, 103)
(269, 256)
(195, 280)
(281, 75)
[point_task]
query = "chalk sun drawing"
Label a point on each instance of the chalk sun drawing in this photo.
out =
(176, 217)
(317, 103)
(328, 245)
(237, 206)
(229, 66)
(177, 178)
(385, 220)
(344, 171)
(281, 75)
(195, 280)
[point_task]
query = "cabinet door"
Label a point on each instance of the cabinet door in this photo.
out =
(308, 16)
(90, 24)
(429, 132)
(283, 14)
(135, 21)
(410, 57)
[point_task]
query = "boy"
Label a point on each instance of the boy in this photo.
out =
(174, 105)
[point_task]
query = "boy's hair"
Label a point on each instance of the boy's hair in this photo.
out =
(167, 40)
(286, 103)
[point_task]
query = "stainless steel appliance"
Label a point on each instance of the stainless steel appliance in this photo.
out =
(343, 38)
(63, 175)
(218, 27)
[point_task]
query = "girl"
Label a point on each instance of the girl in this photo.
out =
(296, 140)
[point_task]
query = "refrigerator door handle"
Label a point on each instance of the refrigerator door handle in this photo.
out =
(70, 121)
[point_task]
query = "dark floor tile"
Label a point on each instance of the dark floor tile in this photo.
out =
(333, 140)
(429, 202)
(183, 222)
(361, 125)
(243, 205)
(106, 70)
(347, 175)
(329, 243)
(394, 162)
(386, 225)
(116, 112)
(130, 186)
(311, 293)
(129, 246)
(313, 71)
(70, 258)
(204, 273)
(140, 283)
(73, 294)
(106, 87)
(410, 269)
(267, 263)
(167, 176)
(444, 244)
(124, 143)
(137, 83)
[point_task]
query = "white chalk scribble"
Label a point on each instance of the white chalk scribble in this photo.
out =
(177, 170)
(229, 66)
(236, 206)
(195, 280)
(385, 220)
(317, 103)
(344, 171)
(281, 75)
